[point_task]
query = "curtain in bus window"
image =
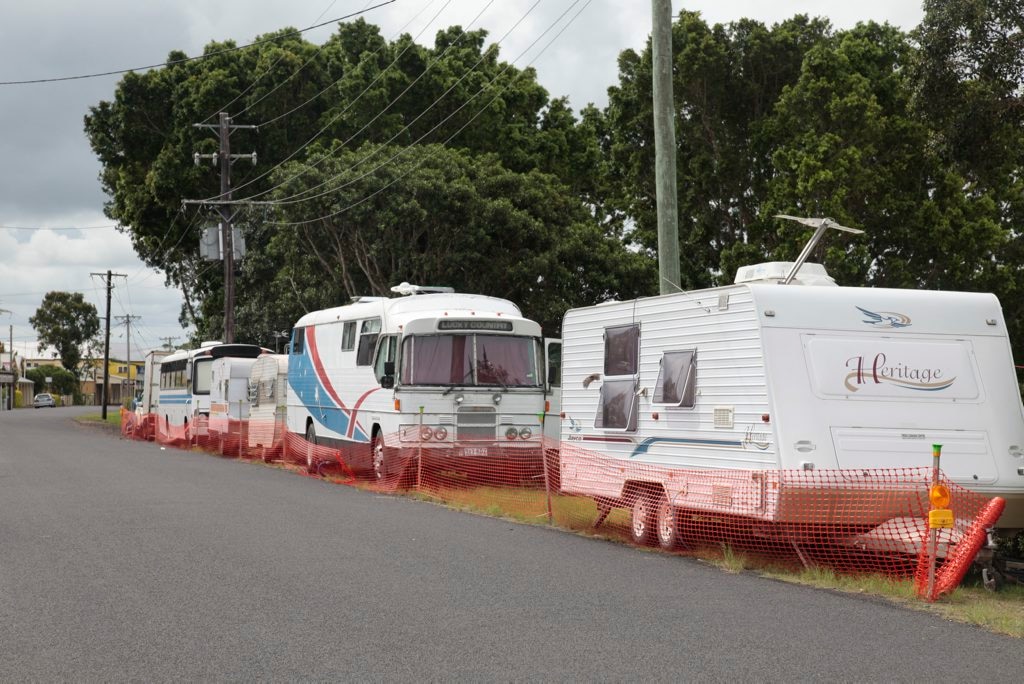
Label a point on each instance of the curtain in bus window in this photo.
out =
(438, 360)
(618, 409)
(503, 360)
(676, 379)
(621, 350)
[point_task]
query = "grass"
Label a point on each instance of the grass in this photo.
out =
(113, 418)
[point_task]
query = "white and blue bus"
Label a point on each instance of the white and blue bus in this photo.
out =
(185, 381)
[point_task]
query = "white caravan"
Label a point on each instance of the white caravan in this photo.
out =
(149, 401)
(268, 398)
(229, 393)
(454, 375)
(789, 380)
(185, 381)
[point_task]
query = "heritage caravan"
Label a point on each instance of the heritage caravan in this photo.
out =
(456, 376)
(761, 376)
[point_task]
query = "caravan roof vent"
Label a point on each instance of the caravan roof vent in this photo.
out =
(407, 289)
(776, 271)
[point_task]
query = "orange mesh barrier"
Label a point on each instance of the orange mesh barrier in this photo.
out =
(850, 521)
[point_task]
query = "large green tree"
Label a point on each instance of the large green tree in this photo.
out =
(65, 321)
(355, 88)
(436, 215)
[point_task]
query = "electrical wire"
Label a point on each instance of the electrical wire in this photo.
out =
(334, 119)
(267, 71)
(440, 123)
(183, 60)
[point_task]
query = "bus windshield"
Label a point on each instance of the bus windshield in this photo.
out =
(471, 360)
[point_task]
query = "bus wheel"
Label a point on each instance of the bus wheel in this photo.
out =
(310, 459)
(667, 525)
(377, 456)
(642, 523)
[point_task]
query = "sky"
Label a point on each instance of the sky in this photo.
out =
(49, 187)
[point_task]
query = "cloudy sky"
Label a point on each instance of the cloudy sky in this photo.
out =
(53, 234)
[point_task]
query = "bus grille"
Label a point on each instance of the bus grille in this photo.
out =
(476, 422)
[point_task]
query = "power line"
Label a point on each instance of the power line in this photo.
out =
(103, 227)
(443, 121)
(183, 60)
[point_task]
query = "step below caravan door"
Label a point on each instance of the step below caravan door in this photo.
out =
(966, 454)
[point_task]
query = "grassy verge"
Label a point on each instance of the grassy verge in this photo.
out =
(113, 419)
(1001, 612)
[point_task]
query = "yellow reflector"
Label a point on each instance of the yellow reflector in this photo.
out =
(939, 496)
(398, 404)
(940, 518)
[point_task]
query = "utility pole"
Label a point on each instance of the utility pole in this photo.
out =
(128, 345)
(665, 147)
(8, 398)
(168, 342)
(106, 344)
(225, 207)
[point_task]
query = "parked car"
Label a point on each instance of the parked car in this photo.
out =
(43, 400)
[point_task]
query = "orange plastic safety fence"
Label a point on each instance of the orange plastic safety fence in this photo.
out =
(850, 521)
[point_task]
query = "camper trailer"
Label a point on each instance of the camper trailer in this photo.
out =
(229, 395)
(186, 378)
(268, 398)
(148, 402)
(453, 376)
(783, 379)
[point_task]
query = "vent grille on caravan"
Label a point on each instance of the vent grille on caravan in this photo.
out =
(724, 417)
(776, 271)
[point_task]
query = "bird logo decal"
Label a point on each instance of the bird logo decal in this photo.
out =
(885, 319)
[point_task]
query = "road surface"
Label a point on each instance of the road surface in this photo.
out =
(121, 560)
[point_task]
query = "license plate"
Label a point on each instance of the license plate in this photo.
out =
(474, 451)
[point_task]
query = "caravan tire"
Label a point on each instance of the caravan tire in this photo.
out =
(667, 525)
(311, 465)
(642, 519)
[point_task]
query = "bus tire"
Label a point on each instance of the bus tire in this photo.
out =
(311, 464)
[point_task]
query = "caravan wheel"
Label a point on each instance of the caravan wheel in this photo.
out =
(642, 525)
(668, 525)
(310, 459)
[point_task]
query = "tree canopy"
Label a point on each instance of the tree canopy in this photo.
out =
(66, 322)
(391, 160)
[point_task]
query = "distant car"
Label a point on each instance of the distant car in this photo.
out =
(43, 400)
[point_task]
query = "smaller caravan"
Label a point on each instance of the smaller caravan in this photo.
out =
(268, 399)
(785, 377)
(456, 377)
(229, 396)
(186, 378)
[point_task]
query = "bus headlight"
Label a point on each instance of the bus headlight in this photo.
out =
(426, 433)
(525, 433)
(440, 433)
(511, 433)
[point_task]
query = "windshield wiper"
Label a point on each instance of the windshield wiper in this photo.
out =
(452, 386)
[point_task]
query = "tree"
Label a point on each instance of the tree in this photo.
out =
(66, 322)
(441, 216)
(62, 381)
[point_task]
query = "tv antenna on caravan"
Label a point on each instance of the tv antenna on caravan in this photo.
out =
(820, 225)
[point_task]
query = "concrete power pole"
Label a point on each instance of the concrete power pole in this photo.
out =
(106, 344)
(127, 319)
(665, 147)
(225, 207)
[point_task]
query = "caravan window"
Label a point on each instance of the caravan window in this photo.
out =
(622, 349)
(367, 341)
(348, 336)
(677, 379)
(618, 408)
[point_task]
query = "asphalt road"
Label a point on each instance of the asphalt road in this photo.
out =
(122, 561)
